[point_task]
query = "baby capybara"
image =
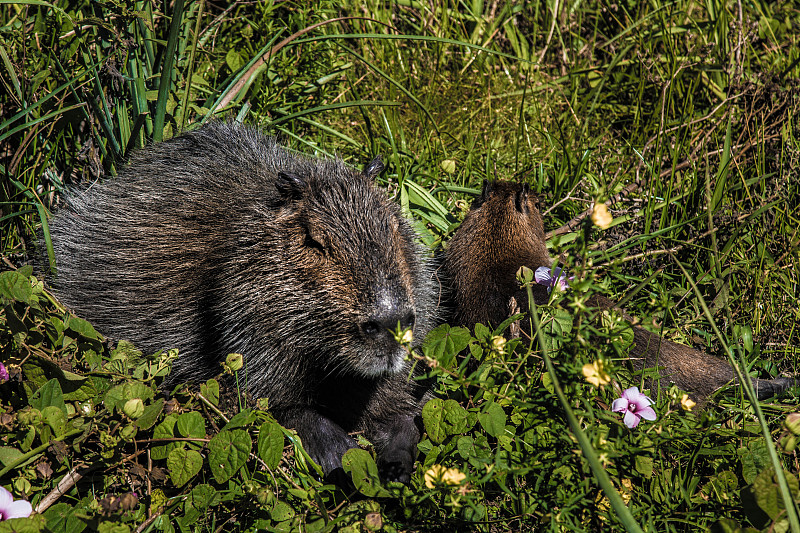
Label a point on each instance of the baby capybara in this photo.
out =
(502, 232)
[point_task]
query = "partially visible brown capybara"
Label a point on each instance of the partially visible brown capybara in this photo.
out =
(221, 241)
(502, 232)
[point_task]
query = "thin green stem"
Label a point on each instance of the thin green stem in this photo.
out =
(623, 513)
(36, 451)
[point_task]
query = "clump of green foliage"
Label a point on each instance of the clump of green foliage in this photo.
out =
(681, 116)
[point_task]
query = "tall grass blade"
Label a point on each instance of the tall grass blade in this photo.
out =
(30, 123)
(167, 71)
(190, 67)
(407, 37)
(722, 172)
(220, 102)
(34, 199)
(12, 74)
(340, 105)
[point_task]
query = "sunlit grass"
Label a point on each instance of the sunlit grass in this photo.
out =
(681, 115)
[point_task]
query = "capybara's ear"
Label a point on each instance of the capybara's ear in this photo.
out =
(290, 186)
(486, 190)
(374, 168)
(521, 199)
(537, 202)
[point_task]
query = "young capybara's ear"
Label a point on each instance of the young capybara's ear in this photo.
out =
(486, 191)
(374, 168)
(521, 199)
(537, 203)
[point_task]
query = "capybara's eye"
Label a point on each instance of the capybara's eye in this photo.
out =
(314, 244)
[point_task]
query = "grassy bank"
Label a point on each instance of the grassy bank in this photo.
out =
(681, 116)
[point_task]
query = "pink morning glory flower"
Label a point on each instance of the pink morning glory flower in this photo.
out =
(3, 373)
(13, 509)
(549, 278)
(635, 405)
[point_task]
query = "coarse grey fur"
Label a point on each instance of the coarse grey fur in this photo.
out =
(221, 241)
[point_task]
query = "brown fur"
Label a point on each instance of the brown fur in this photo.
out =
(504, 231)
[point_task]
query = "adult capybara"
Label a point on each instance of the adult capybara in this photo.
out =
(222, 241)
(502, 232)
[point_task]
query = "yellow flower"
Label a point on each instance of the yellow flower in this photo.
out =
(440, 474)
(596, 374)
(601, 216)
(404, 337)
(626, 490)
(449, 166)
(498, 343)
(687, 403)
(233, 363)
